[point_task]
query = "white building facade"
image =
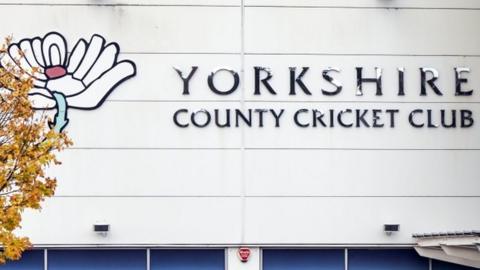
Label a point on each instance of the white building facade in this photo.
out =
(296, 129)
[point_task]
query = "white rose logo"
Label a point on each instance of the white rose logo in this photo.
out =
(80, 80)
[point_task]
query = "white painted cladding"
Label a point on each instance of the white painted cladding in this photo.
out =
(157, 184)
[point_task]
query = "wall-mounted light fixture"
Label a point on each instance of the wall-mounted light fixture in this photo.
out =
(101, 229)
(391, 228)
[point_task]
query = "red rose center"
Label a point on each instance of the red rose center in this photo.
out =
(55, 72)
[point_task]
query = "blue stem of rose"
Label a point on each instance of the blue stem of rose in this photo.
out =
(60, 121)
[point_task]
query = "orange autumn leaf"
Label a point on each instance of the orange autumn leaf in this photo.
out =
(27, 148)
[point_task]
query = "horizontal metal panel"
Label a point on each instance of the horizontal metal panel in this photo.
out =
(147, 125)
(364, 31)
(275, 3)
(134, 28)
(268, 220)
(368, 3)
(157, 80)
(148, 173)
(347, 77)
(134, 221)
(353, 221)
(360, 136)
(361, 173)
(125, 2)
(151, 125)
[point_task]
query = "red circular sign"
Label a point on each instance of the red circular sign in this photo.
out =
(244, 253)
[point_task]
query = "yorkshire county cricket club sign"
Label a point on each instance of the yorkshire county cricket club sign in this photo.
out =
(84, 79)
(328, 117)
